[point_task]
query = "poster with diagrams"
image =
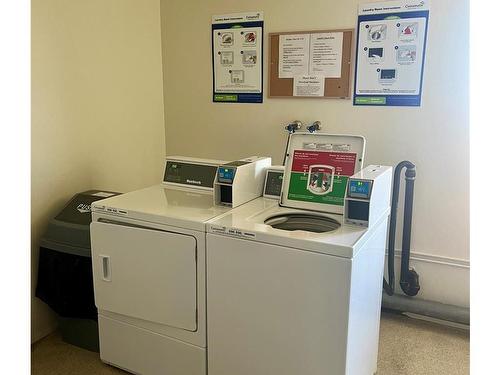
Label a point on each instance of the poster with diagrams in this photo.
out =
(309, 59)
(390, 53)
(237, 53)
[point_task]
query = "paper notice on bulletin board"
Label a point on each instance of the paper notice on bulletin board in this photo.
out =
(310, 54)
(237, 51)
(309, 86)
(390, 53)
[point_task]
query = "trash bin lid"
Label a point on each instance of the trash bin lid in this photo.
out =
(71, 227)
(77, 210)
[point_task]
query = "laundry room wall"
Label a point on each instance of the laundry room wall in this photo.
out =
(434, 136)
(97, 108)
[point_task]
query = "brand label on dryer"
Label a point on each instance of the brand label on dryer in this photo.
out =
(111, 210)
(231, 232)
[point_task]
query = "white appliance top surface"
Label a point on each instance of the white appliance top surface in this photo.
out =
(162, 204)
(247, 222)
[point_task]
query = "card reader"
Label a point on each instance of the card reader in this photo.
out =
(367, 194)
(240, 181)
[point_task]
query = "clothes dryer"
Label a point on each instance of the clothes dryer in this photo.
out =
(148, 258)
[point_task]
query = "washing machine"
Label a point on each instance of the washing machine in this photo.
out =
(148, 258)
(295, 288)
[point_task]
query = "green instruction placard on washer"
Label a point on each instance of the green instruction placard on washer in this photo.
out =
(320, 176)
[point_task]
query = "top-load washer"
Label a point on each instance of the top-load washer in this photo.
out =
(296, 288)
(148, 258)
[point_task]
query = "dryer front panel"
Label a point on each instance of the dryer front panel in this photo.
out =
(145, 273)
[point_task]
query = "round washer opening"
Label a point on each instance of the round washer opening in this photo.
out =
(307, 222)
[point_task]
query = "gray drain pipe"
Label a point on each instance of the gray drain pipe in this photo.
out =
(409, 277)
(431, 309)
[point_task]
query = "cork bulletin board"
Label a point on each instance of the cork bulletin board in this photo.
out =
(333, 87)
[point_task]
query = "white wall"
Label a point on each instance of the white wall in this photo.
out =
(435, 136)
(97, 108)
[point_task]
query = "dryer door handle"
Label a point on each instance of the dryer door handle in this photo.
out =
(106, 267)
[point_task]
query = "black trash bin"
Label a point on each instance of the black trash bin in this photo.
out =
(65, 271)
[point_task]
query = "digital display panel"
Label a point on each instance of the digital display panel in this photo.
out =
(226, 175)
(190, 174)
(360, 189)
(273, 183)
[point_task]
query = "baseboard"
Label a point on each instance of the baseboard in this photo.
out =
(423, 257)
(442, 279)
(447, 323)
(40, 334)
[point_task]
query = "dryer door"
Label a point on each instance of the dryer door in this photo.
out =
(145, 273)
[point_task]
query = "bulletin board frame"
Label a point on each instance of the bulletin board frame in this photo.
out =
(335, 88)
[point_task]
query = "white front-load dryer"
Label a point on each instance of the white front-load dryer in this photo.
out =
(149, 267)
(148, 257)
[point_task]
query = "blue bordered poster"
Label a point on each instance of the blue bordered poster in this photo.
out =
(390, 53)
(237, 57)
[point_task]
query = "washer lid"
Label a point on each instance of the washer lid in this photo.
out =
(317, 168)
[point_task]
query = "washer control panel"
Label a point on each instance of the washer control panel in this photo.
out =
(359, 188)
(368, 195)
(273, 182)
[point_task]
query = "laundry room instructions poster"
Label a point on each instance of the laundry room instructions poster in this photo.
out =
(390, 55)
(237, 57)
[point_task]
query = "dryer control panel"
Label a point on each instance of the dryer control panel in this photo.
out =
(190, 172)
(240, 181)
(226, 174)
